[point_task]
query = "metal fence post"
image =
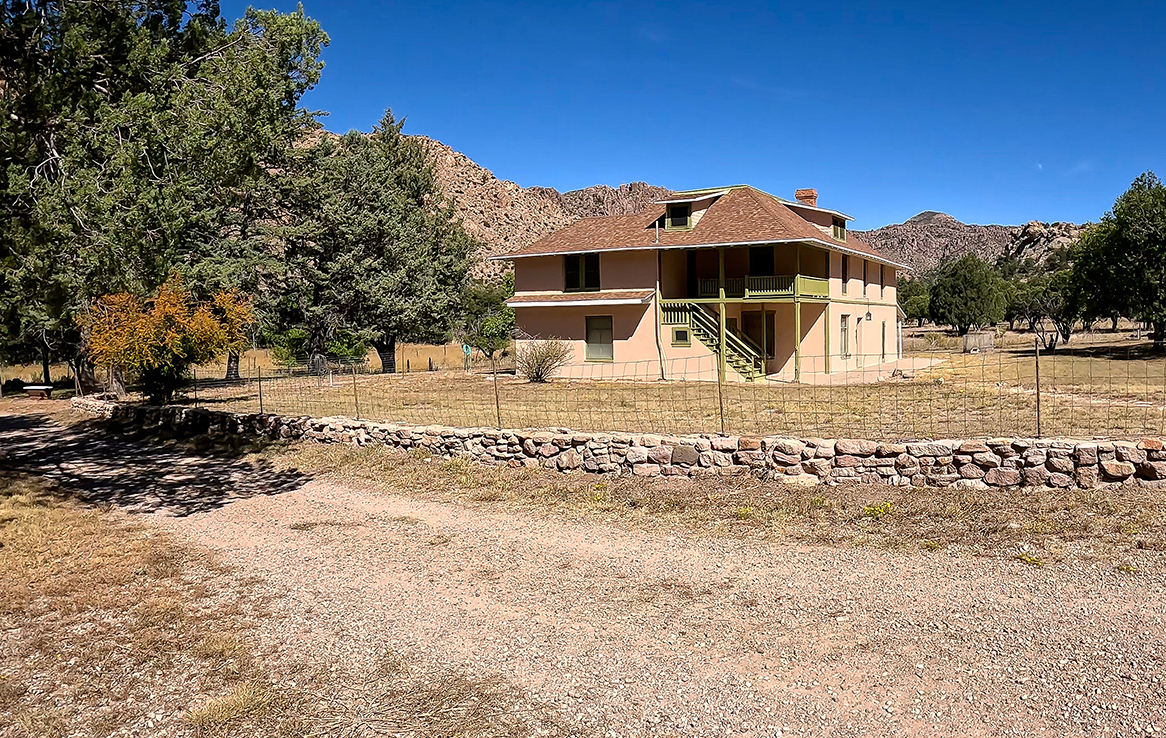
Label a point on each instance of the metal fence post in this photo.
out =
(497, 398)
(259, 375)
(1036, 345)
(355, 393)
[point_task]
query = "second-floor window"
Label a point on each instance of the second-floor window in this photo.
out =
(581, 272)
(845, 272)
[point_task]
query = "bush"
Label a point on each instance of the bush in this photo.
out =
(538, 361)
(159, 338)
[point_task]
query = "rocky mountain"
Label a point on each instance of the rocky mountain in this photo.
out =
(506, 217)
(931, 239)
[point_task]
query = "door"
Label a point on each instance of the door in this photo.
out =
(759, 329)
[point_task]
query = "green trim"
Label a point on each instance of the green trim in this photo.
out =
(677, 342)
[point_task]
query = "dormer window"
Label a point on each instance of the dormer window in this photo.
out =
(839, 229)
(679, 217)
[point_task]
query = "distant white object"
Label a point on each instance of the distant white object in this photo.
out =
(39, 391)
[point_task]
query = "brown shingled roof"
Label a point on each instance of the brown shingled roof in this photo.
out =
(742, 215)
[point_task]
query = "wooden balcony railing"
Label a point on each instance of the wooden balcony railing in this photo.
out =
(783, 285)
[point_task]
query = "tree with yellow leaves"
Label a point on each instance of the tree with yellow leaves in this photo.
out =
(158, 339)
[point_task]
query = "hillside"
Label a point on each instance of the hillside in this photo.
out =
(930, 239)
(507, 217)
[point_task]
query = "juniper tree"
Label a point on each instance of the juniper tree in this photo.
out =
(369, 246)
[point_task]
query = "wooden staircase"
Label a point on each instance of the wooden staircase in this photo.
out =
(742, 354)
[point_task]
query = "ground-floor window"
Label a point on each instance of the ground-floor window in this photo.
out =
(681, 336)
(845, 335)
(884, 356)
(600, 338)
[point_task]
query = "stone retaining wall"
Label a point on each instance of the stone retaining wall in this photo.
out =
(975, 464)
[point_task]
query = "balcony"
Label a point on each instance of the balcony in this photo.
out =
(761, 287)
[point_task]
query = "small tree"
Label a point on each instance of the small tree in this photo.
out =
(487, 322)
(914, 299)
(159, 339)
(540, 360)
(967, 293)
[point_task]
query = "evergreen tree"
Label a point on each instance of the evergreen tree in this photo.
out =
(132, 132)
(967, 293)
(370, 249)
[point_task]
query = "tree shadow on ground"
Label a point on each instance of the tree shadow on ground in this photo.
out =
(95, 462)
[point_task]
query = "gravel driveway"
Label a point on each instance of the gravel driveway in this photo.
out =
(650, 634)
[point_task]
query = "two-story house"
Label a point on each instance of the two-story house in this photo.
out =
(730, 280)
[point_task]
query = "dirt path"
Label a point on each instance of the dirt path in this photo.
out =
(665, 634)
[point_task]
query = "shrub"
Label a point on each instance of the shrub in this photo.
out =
(540, 360)
(161, 337)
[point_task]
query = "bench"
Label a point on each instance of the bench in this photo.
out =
(39, 391)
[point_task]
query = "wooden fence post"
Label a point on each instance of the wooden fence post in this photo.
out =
(259, 374)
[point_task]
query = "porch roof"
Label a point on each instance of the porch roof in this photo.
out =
(742, 216)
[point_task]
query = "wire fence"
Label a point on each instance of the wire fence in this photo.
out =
(1116, 392)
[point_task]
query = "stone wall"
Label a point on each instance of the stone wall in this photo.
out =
(974, 464)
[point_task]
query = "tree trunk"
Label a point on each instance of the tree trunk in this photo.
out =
(387, 350)
(116, 383)
(44, 362)
(1159, 335)
(232, 365)
(1113, 324)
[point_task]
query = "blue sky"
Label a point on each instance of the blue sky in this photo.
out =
(993, 112)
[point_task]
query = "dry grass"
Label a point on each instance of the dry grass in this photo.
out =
(119, 628)
(991, 522)
(1114, 390)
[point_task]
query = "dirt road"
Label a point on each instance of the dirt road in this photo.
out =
(634, 633)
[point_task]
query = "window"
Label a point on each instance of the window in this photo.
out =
(882, 280)
(679, 216)
(845, 335)
(838, 230)
(865, 278)
(599, 338)
(681, 337)
(884, 354)
(581, 272)
(845, 272)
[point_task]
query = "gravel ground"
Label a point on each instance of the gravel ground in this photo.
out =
(627, 632)
(642, 634)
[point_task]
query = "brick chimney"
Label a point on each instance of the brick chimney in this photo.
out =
(807, 197)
